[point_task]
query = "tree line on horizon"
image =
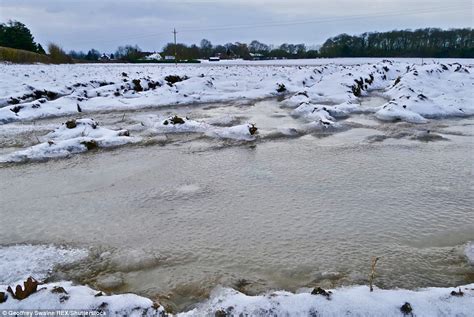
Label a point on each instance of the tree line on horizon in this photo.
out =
(428, 42)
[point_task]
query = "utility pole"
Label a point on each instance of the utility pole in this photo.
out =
(175, 49)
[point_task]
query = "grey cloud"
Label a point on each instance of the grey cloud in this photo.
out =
(106, 24)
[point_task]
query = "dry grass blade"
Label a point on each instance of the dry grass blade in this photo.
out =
(372, 273)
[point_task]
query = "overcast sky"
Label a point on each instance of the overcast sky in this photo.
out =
(106, 24)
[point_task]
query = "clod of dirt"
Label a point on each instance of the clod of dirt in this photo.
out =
(176, 120)
(3, 297)
(153, 84)
(356, 90)
(124, 74)
(90, 145)
(58, 290)
(30, 285)
(99, 294)
(325, 123)
(172, 79)
(397, 81)
(406, 309)
(252, 129)
(63, 298)
(13, 101)
(79, 109)
(320, 291)
(358, 87)
(71, 124)
(102, 307)
(104, 83)
(370, 80)
(124, 133)
(220, 313)
(459, 293)
(51, 95)
(136, 85)
(16, 109)
(281, 88)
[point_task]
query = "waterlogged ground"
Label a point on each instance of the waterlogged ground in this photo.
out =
(350, 161)
(172, 219)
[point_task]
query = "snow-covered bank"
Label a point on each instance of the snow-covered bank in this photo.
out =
(175, 124)
(81, 135)
(347, 301)
(66, 296)
(20, 261)
(74, 136)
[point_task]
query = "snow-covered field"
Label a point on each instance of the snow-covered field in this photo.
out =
(348, 301)
(427, 91)
(321, 94)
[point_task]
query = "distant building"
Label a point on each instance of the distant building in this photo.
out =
(256, 56)
(153, 57)
(214, 59)
(104, 57)
(169, 58)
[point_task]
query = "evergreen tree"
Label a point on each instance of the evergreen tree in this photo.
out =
(40, 49)
(15, 34)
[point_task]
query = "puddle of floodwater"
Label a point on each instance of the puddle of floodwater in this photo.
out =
(278, 215)
(174, 221)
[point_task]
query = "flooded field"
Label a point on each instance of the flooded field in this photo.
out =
(173, 218)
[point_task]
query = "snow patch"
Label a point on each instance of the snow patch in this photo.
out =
(238, 132)
(349, 301)
(72, 137)
(392, 112)
(72, 297)
(18, 262)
